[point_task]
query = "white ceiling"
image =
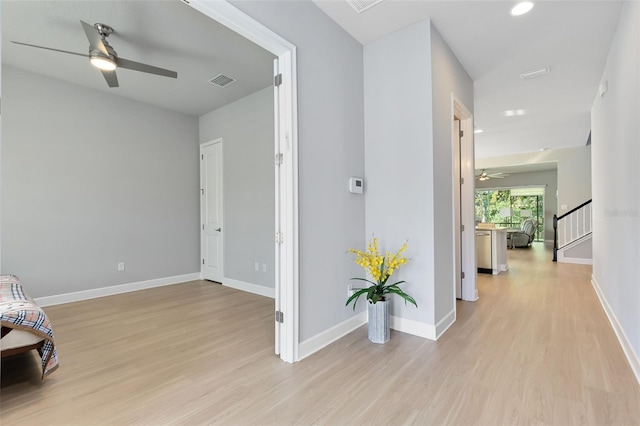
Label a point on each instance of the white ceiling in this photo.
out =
(167, 34)
(570, 37)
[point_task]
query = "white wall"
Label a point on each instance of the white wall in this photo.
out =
(91, 179)
(246, 127)
(330, 124)
(548, 179)
(409, 160)
(616, 196)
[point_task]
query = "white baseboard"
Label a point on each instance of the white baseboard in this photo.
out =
(250, 288)
(446, 322)
(632, 357)
(111, 290)
(421, 329)
(576, 260)
(417, 328)
(319, 341)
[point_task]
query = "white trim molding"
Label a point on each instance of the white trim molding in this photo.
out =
(421, 329)
(319, 341)
(632, 357)
(417, 328)
(250, 288)
(94, 293)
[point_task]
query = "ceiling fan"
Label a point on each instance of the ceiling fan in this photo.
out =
(486, 176)
(104, 57)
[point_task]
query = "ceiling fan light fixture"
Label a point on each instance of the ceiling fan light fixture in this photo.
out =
(521, 8)
(103, 63)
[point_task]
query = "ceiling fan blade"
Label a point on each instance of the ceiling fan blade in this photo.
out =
(50, 48)
(95, 41)
(111, 77)
(150, 69)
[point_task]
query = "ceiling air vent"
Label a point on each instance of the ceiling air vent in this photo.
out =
(362, 5)
(221, 80)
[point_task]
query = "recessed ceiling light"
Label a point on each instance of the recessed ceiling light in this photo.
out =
(513, 112)
(521, 8)
(478, 131)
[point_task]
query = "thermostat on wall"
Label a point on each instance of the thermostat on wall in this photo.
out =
(356, 185)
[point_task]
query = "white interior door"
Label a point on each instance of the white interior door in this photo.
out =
(211, 205)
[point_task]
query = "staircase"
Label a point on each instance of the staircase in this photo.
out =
(572, 235)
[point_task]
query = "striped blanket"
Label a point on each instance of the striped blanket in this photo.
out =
(19, 311)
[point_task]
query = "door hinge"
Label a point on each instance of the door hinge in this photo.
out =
(462, 276)
(202, 156)
(277, 80)
(461, 181)
(203, 261)
(279, 317)
(461, 228)
(279, 238)
(279, 159)
(461, 133)
(202, 191)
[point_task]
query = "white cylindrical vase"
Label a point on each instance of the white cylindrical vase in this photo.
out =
(379, 322)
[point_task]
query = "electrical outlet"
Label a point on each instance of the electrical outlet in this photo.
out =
(264, 267)
(120, 266)
(256, 266)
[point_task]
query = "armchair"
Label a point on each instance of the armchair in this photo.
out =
(526, 234)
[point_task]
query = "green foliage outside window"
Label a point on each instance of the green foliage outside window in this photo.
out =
(490, 202)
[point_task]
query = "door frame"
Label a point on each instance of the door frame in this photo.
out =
(467, 243)
(286, 239)
(202, 208)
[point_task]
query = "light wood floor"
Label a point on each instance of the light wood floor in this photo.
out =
(536, 348)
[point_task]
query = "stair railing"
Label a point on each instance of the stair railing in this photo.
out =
(571, 226)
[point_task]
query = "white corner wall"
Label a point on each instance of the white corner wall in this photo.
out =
(616, 198)
(76, 201)
(246, 127)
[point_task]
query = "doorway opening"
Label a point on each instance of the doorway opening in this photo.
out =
(286, 172)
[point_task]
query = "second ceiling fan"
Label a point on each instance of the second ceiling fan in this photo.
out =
(104, 57)
(486, 176)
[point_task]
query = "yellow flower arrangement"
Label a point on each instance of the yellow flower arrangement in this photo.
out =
(379, 267)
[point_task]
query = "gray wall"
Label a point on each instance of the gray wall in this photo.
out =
(398, 159)
(574, 179)
(331, 148)
(616, 194)
(573, 165)
(409, 159)
(549, 179)
(448, 76)
(76, 201)
(246, 127)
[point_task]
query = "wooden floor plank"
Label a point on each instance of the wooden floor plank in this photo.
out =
(536, 348)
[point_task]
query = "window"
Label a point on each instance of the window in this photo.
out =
(508, 208)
